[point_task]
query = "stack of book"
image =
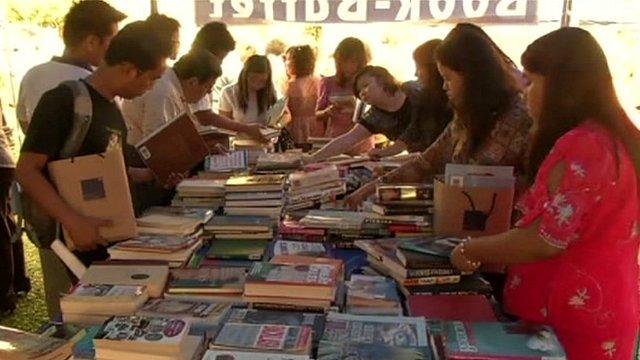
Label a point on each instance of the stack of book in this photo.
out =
(153, 277)
(286, 247)
(294, 230)
(313, 187)
(343, 227)
(174, 249)
(172, 220)
(92, 304)
(403, 199)
(318, 142)
(232, 227)
(253, 148)
(20, 345)
(198, 313)
(294, 282)
(397, 225)
(206, 284)
(279, 162)
(202, 258)
(372, 295)
(374, 337)
(260, 195)
(418, 273)
(199, 193)
(237, 250)
(137, 337)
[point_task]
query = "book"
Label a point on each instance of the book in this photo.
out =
(494, 340)
(83, 349)
(192, 349)
(187, 148)
(255, 183)
(165, 244)
(276, 112)
(296, 260)
(237, 249)
(301, 179)
(269, 195)
(103, 299)
(202, 215)
(264, 337)
(153, 277)
(234, 160)
(142, 335)
(255, 203)
(242, 223)
(254, 316)
(386, 330)
(388, 193)
(20, 345)
(254, 355)
(97, 186)
(279, 161)
(317, 281)
(468, 285)
(196, 313)
(174, 259)
(351, 351)
(206, 281)
(284, 247)
(434, 245)
(372, 291)
(451, 307)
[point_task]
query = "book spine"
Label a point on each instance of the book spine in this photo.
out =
(432, 280)
(418, 273)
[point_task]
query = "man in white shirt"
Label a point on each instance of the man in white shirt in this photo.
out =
(88, 29)
(190, 79)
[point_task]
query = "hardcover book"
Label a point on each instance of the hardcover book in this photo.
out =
(269, 337)
(237, 249)
(254, 316)
(154, 277)
(302, 281)
(195, 312)
(207, 281)
(103, 299)
(386, 330)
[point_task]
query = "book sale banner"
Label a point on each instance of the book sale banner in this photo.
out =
(365, 11)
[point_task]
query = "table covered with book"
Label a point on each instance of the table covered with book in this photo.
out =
(263, 261)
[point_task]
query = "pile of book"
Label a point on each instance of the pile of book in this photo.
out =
(172, 220)
(260, 195)
(206, 284)
(19, 345)
(199, 193)
(234, 227)
(295, 283)
(253, 148)
(372, 295)
(174, 249)
(314, 186)
(413, 264)
(403, 199)
(279, 162)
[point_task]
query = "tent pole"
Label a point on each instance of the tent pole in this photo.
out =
(567, 9)
(154, 6)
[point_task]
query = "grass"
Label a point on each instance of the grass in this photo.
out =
(31, 312)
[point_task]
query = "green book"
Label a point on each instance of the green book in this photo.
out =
(237, 249)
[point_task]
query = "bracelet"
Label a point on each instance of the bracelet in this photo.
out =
(473, 264)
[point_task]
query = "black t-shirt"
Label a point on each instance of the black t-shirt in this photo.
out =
(53, 120)
(390, 124)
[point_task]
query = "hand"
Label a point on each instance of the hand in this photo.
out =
(253, 130)
(173, 180)
(356, 198)
(376, 153)
(219, 149)
(84, 232)
(461, 261)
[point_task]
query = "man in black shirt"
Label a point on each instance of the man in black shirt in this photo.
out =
(134, 60)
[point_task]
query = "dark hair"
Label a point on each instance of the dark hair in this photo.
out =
(198, 63)
(275, 47)
(351, 49)
(91, 17)
(137, 44)
(215, 38)
(577, 86)
(266, 96)
(434, 103)
(382, 75)
(304, 59)
(489, 87)
(165, 27)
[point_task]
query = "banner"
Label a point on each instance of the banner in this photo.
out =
(365, 11)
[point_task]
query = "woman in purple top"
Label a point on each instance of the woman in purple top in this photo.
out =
(336, 103)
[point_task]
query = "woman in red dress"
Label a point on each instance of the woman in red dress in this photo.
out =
(573, 256)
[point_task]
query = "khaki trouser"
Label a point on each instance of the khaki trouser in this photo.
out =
(57, 280)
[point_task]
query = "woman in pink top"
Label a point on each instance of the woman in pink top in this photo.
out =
(573, 255)
(336, 103)
(302, 94)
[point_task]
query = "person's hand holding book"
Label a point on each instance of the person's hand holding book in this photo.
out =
(84, 231)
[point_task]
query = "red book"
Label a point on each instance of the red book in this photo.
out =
(452, 307)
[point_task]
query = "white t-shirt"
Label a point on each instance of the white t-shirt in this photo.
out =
(229, 103)
(40, 79)
(163, 103)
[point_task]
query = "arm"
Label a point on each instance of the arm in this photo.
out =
(30, 174)
(21, 110)
(397, 147)
(208, 117)
(341, 144)
(227, 114)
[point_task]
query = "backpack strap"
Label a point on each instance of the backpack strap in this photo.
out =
(82, 116)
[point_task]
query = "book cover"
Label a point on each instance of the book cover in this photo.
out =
(187, 148)
(451, 307)
(275, 113)
(433, 245)
(240, 222)
(154, 277)
(252, 180)
(254, 316)
(494, 340)
(194, 311)
(103, 299)
(207, 280)
(279, 161)
(396, 192)
(237, 249)
(323, 275)
(269, 337)
(202, 215)
(21, 345)
(234, 160)
(387, 330)
(376, 290)
(351, 351)
(469, 285)
(156, 243)
(139, 334)
(284, 247)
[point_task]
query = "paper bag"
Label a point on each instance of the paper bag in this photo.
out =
(471, 211)
(97, 186)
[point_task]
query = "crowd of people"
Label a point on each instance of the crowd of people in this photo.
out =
(572, 256)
